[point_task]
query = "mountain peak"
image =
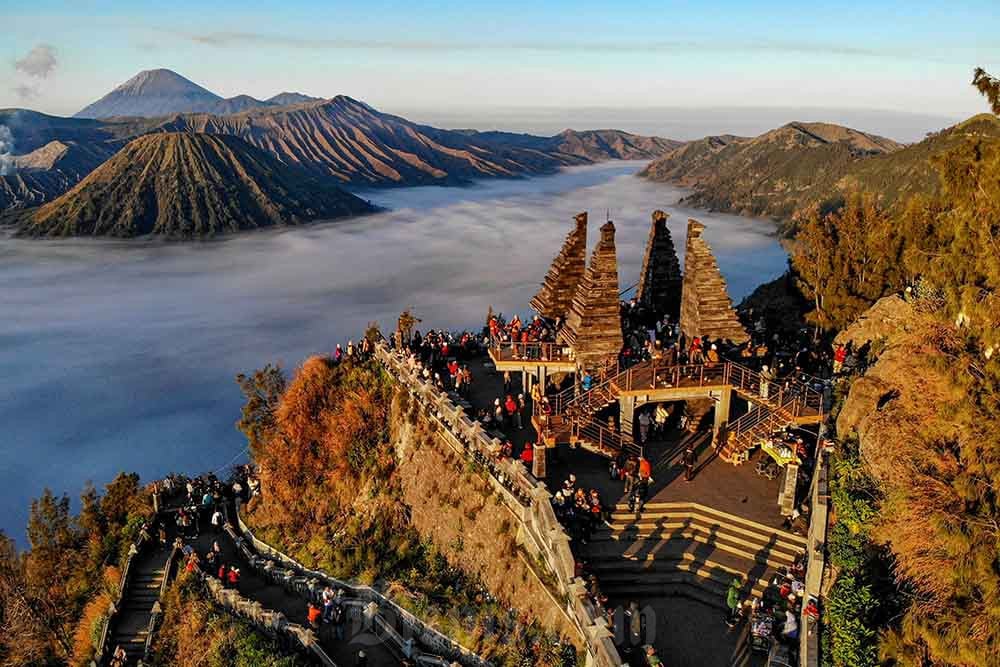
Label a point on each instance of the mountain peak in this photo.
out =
(161, 82)
(153, 92)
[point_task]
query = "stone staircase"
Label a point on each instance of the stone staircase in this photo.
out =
(679, 548)
(131, 629)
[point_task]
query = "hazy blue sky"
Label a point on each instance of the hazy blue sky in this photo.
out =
(907, 56)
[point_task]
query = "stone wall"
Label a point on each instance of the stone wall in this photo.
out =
(527, 500)
(453, 505)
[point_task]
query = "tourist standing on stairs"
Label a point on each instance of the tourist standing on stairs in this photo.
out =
(766, 376)
(733, 601)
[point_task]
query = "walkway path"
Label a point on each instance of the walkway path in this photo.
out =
(272, 596)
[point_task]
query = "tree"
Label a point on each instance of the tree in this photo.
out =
(263, 391)
(989, 87)
(846, 259)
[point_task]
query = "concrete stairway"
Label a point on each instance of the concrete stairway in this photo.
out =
(132, 627)
(686, 549)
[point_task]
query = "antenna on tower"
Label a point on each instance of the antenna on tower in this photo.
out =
(607, 215)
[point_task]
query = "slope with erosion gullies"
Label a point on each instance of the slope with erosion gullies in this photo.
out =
(47, 172)
(185, 185)
(356, 144)
(772, 174)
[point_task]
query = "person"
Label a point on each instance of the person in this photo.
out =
(234, 577)
(839, 356)
(223, 571)
(119, 658)
(362, 660)
(313, 614)
(588, 381)
(511, 414)
(217, 521)
(521, 408)
(528, 455)
(790, 630)
(644, 422)
(629, 472)
(733, 601)
(765, 381)
(689, 461)
(338, 618)
(536, 392)
(652, 659)
(713, 356)
(506, 382)
(498, 414)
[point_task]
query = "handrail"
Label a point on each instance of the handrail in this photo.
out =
(530, 351)
(815, 558)
(157, 608)
(364, 595)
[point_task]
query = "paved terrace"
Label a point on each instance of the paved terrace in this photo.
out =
(733, 489)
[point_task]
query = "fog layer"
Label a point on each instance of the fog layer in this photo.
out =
(121, 355)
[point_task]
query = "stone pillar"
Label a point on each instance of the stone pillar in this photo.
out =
(626, 408)
(721, 414)
(593, 326)
(706, 309)
(538, 462)
(660, 281)
(556, 293)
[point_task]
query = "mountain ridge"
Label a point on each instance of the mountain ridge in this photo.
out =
(772, 174)
(186, 185)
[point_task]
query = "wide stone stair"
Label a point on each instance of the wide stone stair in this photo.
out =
(678, 548)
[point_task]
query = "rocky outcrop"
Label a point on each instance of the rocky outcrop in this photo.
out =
(593, 327)
(706, 309)
(896, 407)
(660, 281)
(555, 296)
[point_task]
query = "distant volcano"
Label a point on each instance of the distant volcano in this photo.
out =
(185, 185)
(162, 92)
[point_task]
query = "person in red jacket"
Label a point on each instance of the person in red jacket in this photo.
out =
(510, 410)
(234, 577)
(528, 454)
(839, 357)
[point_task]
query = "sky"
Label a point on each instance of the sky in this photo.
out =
(479, 60)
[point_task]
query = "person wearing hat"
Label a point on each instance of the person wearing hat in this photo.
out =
(712, 356)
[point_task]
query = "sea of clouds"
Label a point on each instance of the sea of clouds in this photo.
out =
(121, 355)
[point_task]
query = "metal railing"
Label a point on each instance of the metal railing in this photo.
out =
(513, 351)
